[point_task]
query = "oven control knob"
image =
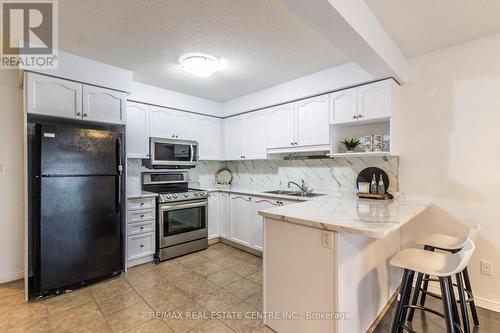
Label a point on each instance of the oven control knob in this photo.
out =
(186, 195)
(174, 196)
(195, 194)
(168, 196)
(202, 193)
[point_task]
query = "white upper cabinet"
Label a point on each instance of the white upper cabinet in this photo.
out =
(233, 138)
(370, 102)
(281, 126)
(312, 121)
(344, 106)
(171, 124)
(209, 138)
(53, 97)
(246, 136)
(241, 222)
(104, 105)
(254, 133)
(185, 126)
(137, 130)
(374, 100)
(60, 98)
(161, 122)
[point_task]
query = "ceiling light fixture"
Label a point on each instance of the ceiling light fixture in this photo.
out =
(201, 65)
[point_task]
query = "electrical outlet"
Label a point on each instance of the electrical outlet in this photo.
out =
(2, 170)
(486, 268)
(327, 239)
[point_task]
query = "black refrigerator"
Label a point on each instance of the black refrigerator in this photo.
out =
(75, 227)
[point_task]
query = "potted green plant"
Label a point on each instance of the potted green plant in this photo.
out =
(351, 143)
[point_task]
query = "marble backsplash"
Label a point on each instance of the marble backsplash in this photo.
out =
(332, 176)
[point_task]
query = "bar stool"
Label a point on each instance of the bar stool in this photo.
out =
(441, 265)
(451, 244)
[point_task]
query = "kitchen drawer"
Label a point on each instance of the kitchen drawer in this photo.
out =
(141, 203)
(140, 227)
(141, 245)
(141, 215)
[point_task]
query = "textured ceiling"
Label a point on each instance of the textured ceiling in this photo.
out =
(264, 42)
(420, 26)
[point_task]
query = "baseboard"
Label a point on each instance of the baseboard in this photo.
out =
(213, 240)
(11, 277)
(480, 301)
(241, 247)
(382, 313)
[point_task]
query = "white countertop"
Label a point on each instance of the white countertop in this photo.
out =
(141, 194)
(259, 193)
(370, 218)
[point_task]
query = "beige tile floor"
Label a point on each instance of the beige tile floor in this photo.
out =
(201, 292)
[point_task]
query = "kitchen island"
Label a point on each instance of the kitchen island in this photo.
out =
(326, 262)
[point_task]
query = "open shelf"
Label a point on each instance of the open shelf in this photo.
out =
(361, 154)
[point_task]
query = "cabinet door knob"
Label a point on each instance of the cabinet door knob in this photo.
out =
(141, 246)
(360, 116)
(176, 136)
(141, 228)
(85, 115)
(355, 117)
(173, 135)
(142, 203)
(78, 114)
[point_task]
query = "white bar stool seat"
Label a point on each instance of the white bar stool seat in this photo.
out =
(431, 263)
(442, 242)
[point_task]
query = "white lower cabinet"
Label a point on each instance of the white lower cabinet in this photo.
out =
(236, 217)
(224, 215)
(141, 226)
(241, 221)
(257, 221)
(140, 246)
(213, 215)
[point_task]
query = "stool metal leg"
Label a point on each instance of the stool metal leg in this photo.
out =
(403, 295)
(472, 304)
(446, 298)
(426, 281)
(463, 303)
(416, 293)
(456, 317)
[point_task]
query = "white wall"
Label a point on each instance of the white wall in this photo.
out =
(11, 185)
(448, 137)
(146, 93)
(85, 70)
(330, 79)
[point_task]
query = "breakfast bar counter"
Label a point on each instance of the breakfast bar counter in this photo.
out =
(326, 262)
(364, 217)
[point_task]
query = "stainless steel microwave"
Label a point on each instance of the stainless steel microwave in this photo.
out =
(172, 153)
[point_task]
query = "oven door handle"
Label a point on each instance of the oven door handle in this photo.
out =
(164, 207)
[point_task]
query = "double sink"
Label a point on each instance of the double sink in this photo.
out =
(295, 193)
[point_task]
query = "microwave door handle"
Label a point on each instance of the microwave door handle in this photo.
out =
(192, 152)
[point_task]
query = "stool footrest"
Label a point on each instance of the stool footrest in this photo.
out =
(434, 312)
(470, 297)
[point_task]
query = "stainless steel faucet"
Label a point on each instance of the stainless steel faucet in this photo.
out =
(302, 187)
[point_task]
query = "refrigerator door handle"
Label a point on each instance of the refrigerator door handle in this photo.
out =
(119, 173)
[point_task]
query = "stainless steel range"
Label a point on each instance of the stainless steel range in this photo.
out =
(181, 213)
